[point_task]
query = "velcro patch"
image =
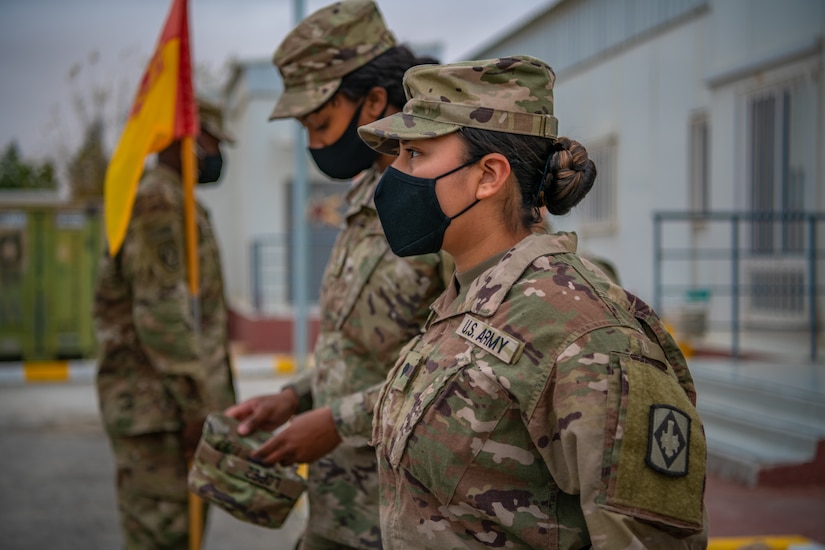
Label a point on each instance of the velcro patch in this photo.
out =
(168, 256)
(668, 441)
(502, 345)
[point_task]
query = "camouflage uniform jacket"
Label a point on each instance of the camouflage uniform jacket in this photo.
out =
(154, 372)
(543, 407)
(372, 303)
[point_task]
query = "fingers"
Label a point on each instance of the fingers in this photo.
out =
(276, 450)
(239, 411)
(259, 419)
(256, 413)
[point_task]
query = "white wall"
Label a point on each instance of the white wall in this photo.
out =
(644, 89)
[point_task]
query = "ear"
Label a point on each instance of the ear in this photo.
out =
(375, 103)
(495, 174)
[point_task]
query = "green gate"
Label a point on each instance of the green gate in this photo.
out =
(48, 260)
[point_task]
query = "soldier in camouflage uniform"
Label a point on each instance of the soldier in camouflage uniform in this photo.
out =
(543, 406)
(341, 68)
(158, 377)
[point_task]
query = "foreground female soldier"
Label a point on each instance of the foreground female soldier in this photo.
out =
(543, 406)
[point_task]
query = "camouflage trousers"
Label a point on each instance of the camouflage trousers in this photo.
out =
(151, 491)
(311, 541)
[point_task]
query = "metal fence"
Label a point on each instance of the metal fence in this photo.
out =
(742, 271)
(270, 270)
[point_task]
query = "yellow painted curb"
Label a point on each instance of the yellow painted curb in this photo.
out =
(284, 364)
(767, 542)
(46, 371)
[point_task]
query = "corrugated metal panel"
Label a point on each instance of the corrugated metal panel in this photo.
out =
(576, 31)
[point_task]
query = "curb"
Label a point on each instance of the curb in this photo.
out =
(84, 370)
(35, 372)
(784, 542)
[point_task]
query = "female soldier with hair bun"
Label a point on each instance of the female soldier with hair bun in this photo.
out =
(342, 68)
(543, 406)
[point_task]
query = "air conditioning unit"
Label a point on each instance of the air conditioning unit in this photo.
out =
(776, 293)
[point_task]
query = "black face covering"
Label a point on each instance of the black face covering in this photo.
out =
(410, 214)
(348, 156)
(210, 169)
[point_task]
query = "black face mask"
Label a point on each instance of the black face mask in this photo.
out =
(348, 156)
(210, 168)
(410, 214)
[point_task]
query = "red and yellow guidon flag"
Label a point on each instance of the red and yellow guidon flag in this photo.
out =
(164, 110)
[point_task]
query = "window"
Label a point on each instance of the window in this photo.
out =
(598, 209)
(779, 168)
(699, 190)
(777, 171)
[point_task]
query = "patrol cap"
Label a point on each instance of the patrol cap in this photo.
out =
(508, 94)
(323, 48)
(211, 118)
(223, 473)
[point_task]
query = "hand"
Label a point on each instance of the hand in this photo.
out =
(191, 436)
(307, 438)
(265, 412)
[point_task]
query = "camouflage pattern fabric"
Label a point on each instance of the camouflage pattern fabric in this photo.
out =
(151, 491)
(543, 407)
(324, 47)
(510, 94)
(224, 474)
(372, 303)
(155, 374)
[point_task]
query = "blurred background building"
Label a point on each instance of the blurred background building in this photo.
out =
(706, 119)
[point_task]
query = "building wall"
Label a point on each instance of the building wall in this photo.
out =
(638, 70)
(252, 201)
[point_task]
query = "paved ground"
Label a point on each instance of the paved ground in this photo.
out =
(57, 476)
(56, 482)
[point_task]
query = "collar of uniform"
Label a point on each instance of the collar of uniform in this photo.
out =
(164, 176)
(486, 293)
(361, 193)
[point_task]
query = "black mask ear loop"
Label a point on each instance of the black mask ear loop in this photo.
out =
(466, 164)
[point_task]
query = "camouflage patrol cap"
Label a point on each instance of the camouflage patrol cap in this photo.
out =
(509, 94)
(211, 118)
(224, 474)
(324, 47)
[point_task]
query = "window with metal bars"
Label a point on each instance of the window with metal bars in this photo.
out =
(597, 211)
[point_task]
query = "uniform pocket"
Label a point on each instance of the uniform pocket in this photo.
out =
(447, 425)
(655, 455)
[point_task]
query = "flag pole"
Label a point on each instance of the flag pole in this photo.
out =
(188, 167)
(191, 227)
(187, 152)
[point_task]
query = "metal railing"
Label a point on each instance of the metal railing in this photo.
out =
(270, 257)
(764, 271)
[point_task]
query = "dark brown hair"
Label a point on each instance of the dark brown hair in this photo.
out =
(556, 173)
(385, 71)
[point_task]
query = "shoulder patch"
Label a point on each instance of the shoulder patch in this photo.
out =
(168, 255)
(668, 441)
(504, 346)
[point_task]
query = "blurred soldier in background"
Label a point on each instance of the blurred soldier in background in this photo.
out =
(161, 370)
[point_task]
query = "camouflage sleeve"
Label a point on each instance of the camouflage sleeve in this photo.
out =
(396, 304)
(153, 261)
(624, 437)
(302, 386)
(353, 415)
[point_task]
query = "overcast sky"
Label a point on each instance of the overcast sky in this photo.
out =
(109, 41)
